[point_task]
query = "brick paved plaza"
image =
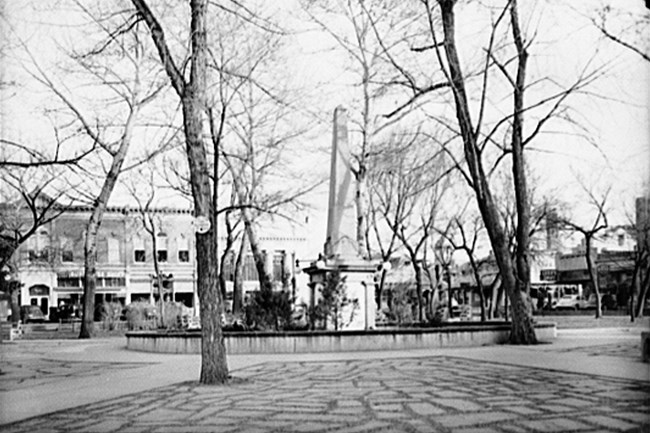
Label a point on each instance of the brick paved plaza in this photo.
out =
(463, 390)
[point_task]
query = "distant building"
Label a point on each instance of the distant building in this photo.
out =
(50, 264)
(556, 269)
(613, 256)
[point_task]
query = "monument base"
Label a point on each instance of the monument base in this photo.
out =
(359, 286)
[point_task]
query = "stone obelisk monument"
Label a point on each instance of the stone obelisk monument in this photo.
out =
(341, 252)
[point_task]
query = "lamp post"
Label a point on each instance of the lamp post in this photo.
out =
(444, 252)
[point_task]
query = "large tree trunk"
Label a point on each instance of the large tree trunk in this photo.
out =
(90, 278)
(379, 288)
(8, 246)
(230, 240)
(360, 199)
(214, 367)
(15, 308)
(479, 286)
(645, 287)
(158, 276)
(263, 276)
(635, 287)
(94, 223)
(495, 299)
(238, 283)
(522, 331)
(593, 276)
(222, 275)
(418, 285)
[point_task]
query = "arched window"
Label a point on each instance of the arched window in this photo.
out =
(139, 254)
(113, 246)
(67, 249)
(42, 240)
(161, 247)
(38, 246)
(183, 246)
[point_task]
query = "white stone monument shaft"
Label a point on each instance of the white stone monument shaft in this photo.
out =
(340, 242)
(341, 247)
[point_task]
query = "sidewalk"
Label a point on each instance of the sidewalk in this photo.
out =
(586, 380)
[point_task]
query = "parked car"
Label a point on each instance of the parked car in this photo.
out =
(607, 302)
(573, 302)
(31, 314)
(68, 312)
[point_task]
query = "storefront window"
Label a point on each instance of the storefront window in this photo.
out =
(68, 281)
(112, 282)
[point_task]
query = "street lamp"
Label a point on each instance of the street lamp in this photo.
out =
(444, 252)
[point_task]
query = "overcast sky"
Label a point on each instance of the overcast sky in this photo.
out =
(618, 122)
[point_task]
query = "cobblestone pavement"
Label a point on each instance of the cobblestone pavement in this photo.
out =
(417, 394)
(625, 349)
(18, 373)
(33, 364)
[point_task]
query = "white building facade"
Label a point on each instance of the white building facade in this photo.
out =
(50, 265)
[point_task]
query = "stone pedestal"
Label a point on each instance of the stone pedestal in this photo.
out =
(359, 285)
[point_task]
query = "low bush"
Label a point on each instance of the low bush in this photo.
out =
(401, 307)
(268, 310)
(111, 312)
(141, 315)
(172, 315)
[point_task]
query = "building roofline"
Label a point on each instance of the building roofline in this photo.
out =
(125, 210)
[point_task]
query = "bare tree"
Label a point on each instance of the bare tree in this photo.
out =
(386, 247)
(232, 234)
(254, 161)
(152, 225)
(464, 234)
(26, 206)
(487, 136)
(192, 94)
(407, 190)
(626, 27)
(238, 277)
(113, 68)
(589, 232)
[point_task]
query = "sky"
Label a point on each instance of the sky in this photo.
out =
(617, 121)
(611, 149)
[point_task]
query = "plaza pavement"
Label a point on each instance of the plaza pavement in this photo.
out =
(587, 380)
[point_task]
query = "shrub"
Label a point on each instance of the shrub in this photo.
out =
(140, 315)
(172, 315)
(401, 308)
(267, 309)
(334, 303)
(110, 314)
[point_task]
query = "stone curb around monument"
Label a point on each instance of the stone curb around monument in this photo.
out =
(335, 341)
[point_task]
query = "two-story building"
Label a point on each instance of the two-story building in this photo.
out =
(50, 264)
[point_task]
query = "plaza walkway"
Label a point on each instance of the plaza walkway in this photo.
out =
(585, 381)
